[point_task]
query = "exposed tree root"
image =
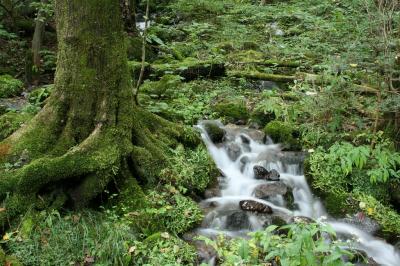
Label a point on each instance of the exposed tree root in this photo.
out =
(93, 163)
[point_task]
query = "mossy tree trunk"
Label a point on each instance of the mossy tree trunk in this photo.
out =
(90, 131)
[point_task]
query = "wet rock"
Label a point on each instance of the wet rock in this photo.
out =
(205, 253)
(301, 219)
(363, 222)
(277, 220)
(256, 135)
(237, 221)
(245, 139)
(361, 258)
(270, 189)
(255, 206)
(213, 130)
(262, 173)
(233, 150)
(212, 192)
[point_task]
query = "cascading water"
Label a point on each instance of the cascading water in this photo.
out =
(236, 158)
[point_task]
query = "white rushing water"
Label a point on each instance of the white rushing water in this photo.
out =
(238, 183)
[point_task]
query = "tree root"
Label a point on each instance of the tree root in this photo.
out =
(89, 167)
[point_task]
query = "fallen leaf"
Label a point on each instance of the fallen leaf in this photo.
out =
(132, 249)
(89, 260)
(165, 235)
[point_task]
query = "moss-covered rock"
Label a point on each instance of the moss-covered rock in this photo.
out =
(232, 109)
(282, 132)
(9, 86)
(384, 215)
(162, 88)
(213, 130)
(11, 121)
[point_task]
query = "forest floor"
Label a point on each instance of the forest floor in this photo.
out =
(311, 74)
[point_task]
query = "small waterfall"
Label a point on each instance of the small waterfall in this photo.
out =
(238, 184)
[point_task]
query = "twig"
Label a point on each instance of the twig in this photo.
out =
(140, 80)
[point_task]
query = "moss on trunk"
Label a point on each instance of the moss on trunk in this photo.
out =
(89, 131)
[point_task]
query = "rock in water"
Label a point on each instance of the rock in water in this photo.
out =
(273, 175)
(233, 150)
(270, 189)
(255, 206)
(262, 173)
(237, 221)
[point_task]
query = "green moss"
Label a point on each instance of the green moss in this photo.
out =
(11, 121)
(9, 86)
(384, 215)
(215, 133)
(190, 68)
(232, 109)
(162, 88)
(282, 132)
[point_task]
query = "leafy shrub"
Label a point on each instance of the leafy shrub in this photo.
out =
(189, 170)
(379, 163)
(301, 245)
(200, 8)
(37, 96)
(77, 238)
(163, 249)
(167, 211)
(10, 86)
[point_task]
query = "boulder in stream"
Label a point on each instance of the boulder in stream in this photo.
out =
(255, 206)
(233, 150)
(270, 189)
(262, 173)
(237, 221)
(363, 222)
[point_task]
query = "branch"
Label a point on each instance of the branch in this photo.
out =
(140, 80)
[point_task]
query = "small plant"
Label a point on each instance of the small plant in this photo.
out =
(76, 238)
(165, 210)
(9, 86)
(303, 244)
(163, 249)
(190, 170)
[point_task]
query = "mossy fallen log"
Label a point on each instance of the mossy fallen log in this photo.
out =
(301, 76)
(273, 63)
(189, 69)
(261, 76)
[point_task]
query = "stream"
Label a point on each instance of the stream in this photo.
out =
(263, 185)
